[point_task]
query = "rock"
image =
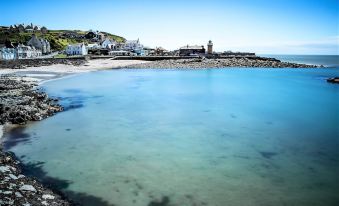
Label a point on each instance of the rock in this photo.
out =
(4, 169)
(21, 176)
(27, 188)
(18, 194)
(44, 203)
(48, 196)
(334, 80)
(7, 192)
(13, 176)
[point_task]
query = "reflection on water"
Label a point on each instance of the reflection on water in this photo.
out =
(194, 137)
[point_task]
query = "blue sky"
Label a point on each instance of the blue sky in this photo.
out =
(262, 26)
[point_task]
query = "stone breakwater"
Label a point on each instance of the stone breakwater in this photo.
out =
(21, 101)
(23, 63)
(221, 63)
(17, 189)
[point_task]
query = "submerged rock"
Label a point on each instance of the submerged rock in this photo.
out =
(334, 80)
(27, 188)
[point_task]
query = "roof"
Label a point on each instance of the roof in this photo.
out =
(78, 44)
(161, 49)
(192, 47)
(132, 41)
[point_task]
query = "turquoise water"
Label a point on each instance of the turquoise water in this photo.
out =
(232, 137)
(326, 60)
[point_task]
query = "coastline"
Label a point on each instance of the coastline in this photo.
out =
(15, 187)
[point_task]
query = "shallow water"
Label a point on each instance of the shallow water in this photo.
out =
(193, 137)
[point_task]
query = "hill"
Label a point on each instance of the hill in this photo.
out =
(58, 39)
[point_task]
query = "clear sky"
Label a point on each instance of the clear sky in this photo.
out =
(262, 26)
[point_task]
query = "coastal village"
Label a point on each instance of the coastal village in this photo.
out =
(95, 43)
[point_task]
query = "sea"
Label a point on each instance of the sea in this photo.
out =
(190, 137)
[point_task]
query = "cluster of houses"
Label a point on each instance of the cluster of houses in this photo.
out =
(35, 47)
(27, 28)
(106, 46)
(98, 43)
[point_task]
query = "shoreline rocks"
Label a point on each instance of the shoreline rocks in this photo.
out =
(24, 63)
(21, 101)
(220, 63)
(17, 189)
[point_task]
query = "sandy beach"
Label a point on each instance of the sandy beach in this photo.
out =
(44, 73)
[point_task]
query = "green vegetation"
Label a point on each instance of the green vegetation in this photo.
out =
(58, 39)
(60, 56)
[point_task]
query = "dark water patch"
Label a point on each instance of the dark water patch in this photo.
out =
(134, 87)
(269, 122)
(16, 136)
(73, 91)
(68, 129)
(72, 106)
(222, 157)
(226, 135)
(35, 169)
(139, 186)
(76, 102)
(233, 116)
(242, 156)
(59, 186)
(268, 155)
(165, 201)
(207, 110)
(84, 199)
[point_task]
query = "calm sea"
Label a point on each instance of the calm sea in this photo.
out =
(231, 137)
(326, 60)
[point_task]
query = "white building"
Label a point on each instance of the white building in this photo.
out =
(40, 43)
(8, 53)
(108, 44)
(119, 53)
(92, 46)
(27, 52)
(133, 45)
(76, 49)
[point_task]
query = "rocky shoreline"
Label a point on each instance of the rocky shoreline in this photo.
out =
(20, 102)
(24, 63)
(17, 189)
(258, 62)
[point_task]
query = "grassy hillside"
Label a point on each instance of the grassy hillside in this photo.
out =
(57, 38)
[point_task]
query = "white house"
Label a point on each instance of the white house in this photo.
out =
(108, 44)
(119, 53)
(27, 52)
(8, 53)
(92, 46)
(76, 49)
(40, 43)
(133, 45)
